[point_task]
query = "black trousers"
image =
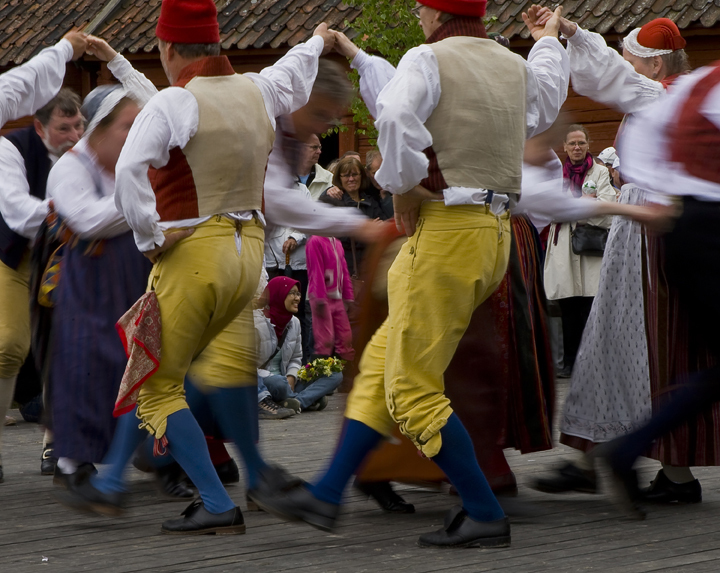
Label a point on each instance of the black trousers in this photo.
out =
(575, 312)
(692, 265)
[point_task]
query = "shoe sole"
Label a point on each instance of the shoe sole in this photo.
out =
(485, 542)
(539, 487)
(321, 525)
(226, 530)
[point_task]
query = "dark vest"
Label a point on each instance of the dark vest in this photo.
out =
(37, 168)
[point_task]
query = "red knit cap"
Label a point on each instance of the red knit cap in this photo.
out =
(661, 34)
(458, 7)
(188, 22)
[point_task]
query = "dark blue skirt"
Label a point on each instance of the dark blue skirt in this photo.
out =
(87, 360)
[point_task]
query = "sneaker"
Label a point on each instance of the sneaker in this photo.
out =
(318, 405)
(292, 404)
(269, 410)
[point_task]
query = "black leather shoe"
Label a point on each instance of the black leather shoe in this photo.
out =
(386, 497)
(624, 489)
(462, 531)
(67, 481)
(171, 483)
(197, 520)
(228, 472)
(84, 497)
(662, 490)
(48, 461)
(298, 504)
(2, 475)
(568, 478)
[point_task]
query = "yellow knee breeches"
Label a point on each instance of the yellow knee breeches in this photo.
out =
(202, 285)
(454, 261)
(14, 317)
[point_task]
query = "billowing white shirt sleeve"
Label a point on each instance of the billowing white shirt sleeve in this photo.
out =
(83, 198)
(548, 76)
(375, 74)
(25, 89)
(168, 120)
(140, 88)
(602, 74)
(22, 212)
(286, 85)
(409, 98)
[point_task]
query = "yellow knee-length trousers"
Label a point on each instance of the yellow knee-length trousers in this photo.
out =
(454, 261)
(14, 317)
(204, 289)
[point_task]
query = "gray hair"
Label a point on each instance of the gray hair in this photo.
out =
(67, 102)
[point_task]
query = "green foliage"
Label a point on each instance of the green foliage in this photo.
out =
(386, 28)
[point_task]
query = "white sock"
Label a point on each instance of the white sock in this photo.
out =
(47, 438)
(7, 390)
(678, 474)
(67, 465)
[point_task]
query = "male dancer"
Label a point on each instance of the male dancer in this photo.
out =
(452, 203)
(23, 91)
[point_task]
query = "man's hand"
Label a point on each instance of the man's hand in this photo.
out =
(567, 28)
(171, 237)
(345, 46)
(407, 208)
(100, 49)
(79, 42)
(328, 37)
(539, 24)
(289, 246)
(370, 231)
(335, 193)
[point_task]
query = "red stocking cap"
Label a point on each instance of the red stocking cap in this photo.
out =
(661, 34)
(188, 22)
(458, 7)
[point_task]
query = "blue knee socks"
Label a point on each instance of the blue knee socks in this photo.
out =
(125, 441)
(235, 410)
(356, 442)
(457, 459)
(187, 445)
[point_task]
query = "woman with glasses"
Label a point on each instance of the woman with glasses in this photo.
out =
(352, 179)
(571, 278)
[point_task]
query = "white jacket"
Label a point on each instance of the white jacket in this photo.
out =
(275, 238)
(266, 340)
(568, 274)
(322, 181)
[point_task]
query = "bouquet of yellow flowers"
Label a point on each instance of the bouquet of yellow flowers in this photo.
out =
(320, 368)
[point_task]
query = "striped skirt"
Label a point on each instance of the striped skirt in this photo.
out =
(87, 360)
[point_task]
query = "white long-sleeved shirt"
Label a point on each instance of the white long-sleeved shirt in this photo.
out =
(405, 102)
(645, 143)
(24, 213)
(23, 91)
(602, 74)
(82, 191)
(170, 119)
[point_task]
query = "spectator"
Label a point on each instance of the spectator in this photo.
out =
(312, 175)
(352, 189)
(373, 161)
(570, 278)
(279, 351)
(330, 293)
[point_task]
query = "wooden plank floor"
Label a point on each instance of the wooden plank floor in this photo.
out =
(563, 534)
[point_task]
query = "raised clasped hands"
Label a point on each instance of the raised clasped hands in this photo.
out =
(78, 41)
(542, 15)
(344, 46)
(327, 35)
(100, 49)
(542, 22)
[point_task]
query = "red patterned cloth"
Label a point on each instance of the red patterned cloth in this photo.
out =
(139, 329)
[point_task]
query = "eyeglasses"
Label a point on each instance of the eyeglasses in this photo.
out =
(416, 11)
(315, 147)
(349, 175)
(295, 293)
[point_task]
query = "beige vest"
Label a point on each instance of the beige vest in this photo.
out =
(228, 154)
(479, 125)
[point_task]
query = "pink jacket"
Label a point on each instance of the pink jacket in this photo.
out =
(328, 275)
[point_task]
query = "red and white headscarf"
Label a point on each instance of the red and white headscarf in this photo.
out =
(656, 38)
